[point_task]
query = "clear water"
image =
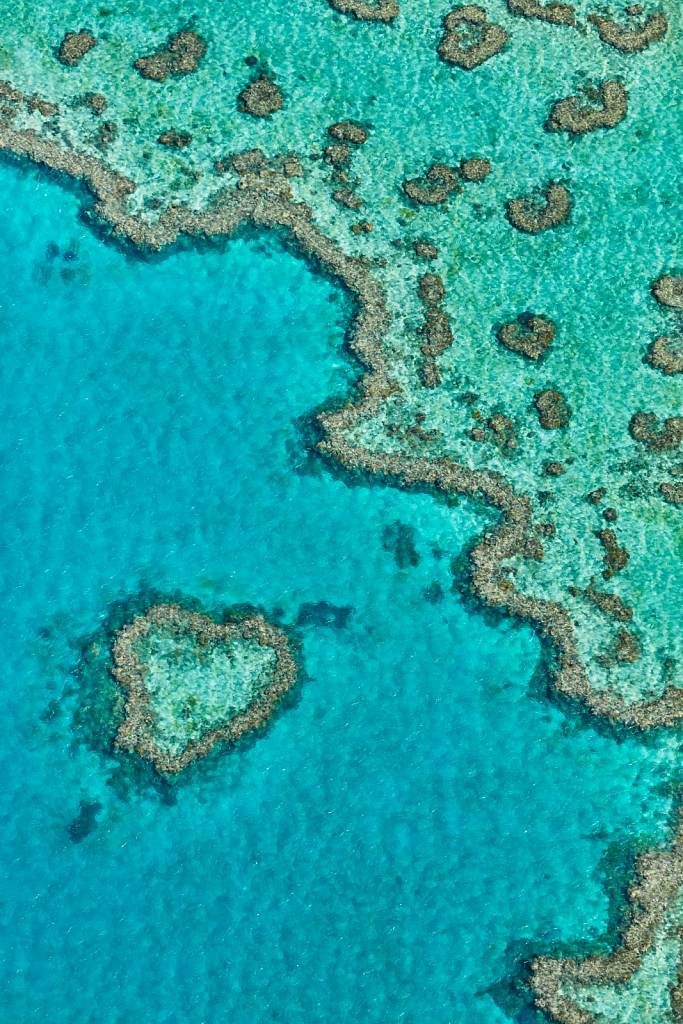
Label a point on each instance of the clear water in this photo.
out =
(416, 823)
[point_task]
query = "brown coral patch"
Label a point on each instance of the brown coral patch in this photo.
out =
(530, 335)
(556, 13)
(666, 435)
(631, 40)
(615, 556)
(260, 98)
(666, 354)
(380, 10)
(610, 604)
(434, 188)
(425, 250)
(469, 38)
(174, 139)
(474, 168)
(553, 409)
(673, 493)
(349, 131)
(668, 291)
(435, 331)
(94, 101)
(74, 47)
(533, 216)
(348, 198)
(180, 56)
(576, 117)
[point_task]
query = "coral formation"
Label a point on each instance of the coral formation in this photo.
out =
(552, 408)
(631, 40)
(666, 354)
(646, 428)
(425, 250)
(180, 56)
(529, 335)
(474, 168)
(74, 47)
(379, 10)
(556, 13)
(668, 291)
(435, 332)
(260, 98)
(349, 131)
(174, 139)
(469, 38)
(575, 117)
(434, 188)
(533, 216)
(556, 982)
(191, 682)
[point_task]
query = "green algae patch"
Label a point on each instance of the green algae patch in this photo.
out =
(192, 683)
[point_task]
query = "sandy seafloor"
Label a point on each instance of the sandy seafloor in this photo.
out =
(419, 821)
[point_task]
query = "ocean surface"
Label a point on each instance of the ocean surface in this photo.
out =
(421, 819)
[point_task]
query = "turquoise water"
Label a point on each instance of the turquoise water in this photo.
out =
(420, 819)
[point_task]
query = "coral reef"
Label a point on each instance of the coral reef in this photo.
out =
(257, 191)
(191, 682)
(552, 408)
(349, 131)
(435, 332)
(474, 168)
(379, 10)
(631, 40)
(74, 47)
(668, 291)
(180, 56)
(646, 428)
(575, 117)
(533, 216)
(666, 354)
(556, 13)
(434, 188)
(558, 982)
(260, 98)
(469, 38)
(530, 335)
(174, 139)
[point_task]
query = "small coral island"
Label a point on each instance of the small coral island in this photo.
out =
(191, 682)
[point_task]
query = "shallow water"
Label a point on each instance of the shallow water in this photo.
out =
(419, 820)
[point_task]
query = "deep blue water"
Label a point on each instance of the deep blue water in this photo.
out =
(419, 817)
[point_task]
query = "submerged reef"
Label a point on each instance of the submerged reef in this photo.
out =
(469, 38)
(576, 117)
(74, 47)
(191, 683)
(534, 215)
(551, 11)
(631, 38)
(180, 56)
(374, 10)
(530, 335)
(666, 354)
(458, 392)
(260, 98)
